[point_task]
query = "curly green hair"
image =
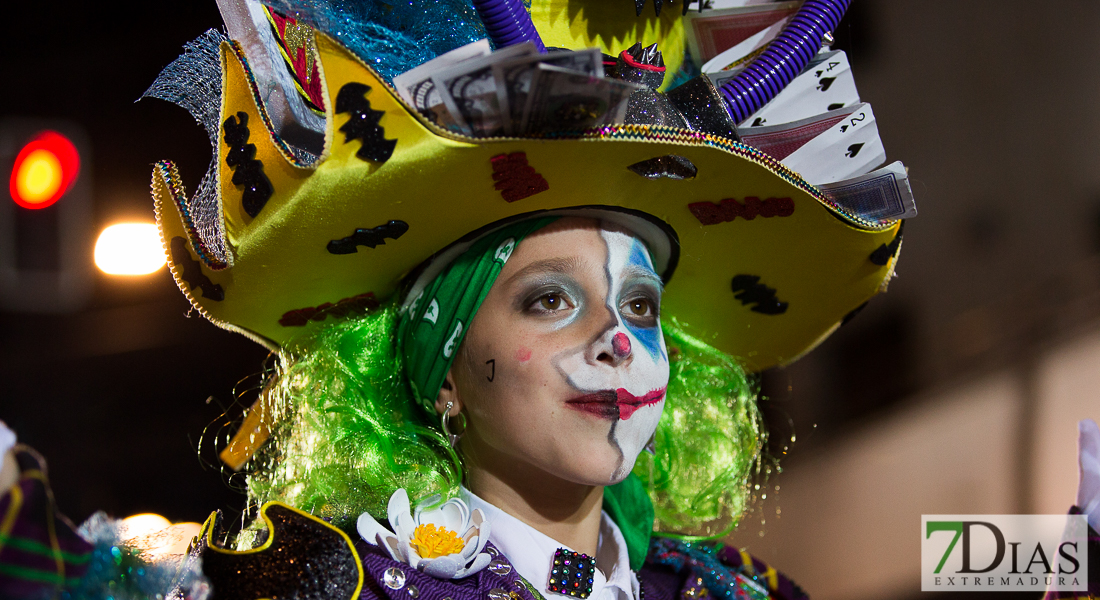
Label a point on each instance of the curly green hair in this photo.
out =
(347, 432)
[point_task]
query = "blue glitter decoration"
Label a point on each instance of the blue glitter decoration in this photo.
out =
(392, 38)
(119, 572)
(721, 581)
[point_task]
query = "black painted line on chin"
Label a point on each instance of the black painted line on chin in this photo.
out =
(615, 444)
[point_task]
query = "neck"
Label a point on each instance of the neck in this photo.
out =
(562, 510)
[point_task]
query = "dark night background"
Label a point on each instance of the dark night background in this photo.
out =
(115, 395)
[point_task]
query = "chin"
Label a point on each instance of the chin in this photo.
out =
(604, 472)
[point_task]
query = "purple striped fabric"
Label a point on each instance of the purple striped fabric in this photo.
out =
(40, 552)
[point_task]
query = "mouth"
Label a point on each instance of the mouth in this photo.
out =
(615, 404)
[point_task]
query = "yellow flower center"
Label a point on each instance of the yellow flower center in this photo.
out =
(432, 542)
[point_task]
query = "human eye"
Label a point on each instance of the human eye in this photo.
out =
(549, 301)
(640, 310)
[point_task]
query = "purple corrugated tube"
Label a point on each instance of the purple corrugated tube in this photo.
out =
(508, 23)
(784, 59)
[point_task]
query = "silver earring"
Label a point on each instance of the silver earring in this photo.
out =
(445, 424)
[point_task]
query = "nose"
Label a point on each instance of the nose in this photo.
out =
(613, 348)
(620, 344)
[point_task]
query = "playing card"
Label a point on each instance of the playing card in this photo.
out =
(880, 195)
(735, 58)
(850, 147)
(827, 84)
(712, 31)
(780, 141)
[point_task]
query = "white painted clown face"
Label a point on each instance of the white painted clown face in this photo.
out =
(563, 371)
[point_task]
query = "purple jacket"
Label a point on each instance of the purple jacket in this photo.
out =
(305, 557)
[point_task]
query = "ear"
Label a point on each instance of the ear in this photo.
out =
(448, 393)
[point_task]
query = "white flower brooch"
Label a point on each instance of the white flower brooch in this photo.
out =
(444, 542)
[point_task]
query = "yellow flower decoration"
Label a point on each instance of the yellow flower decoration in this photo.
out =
(432, 542)
(445, 542)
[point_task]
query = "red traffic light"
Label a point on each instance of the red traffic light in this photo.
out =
(44, 170)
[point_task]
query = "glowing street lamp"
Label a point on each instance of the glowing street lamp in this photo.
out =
(129, 249)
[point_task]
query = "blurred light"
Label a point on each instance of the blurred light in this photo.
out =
(143, 524)
(44, 170)
(129, 249)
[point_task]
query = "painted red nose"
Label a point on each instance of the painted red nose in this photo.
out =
(620, 344)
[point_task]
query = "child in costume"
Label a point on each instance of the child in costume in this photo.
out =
(489, 384)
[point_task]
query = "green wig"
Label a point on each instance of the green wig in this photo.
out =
(348, 432)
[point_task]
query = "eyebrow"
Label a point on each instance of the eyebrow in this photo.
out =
(551, 265)
(643, 273)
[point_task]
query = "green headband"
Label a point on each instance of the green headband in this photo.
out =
(432, 327)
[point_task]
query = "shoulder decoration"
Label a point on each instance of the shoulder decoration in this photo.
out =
(719, 572)
(300, 557)
(445, 542)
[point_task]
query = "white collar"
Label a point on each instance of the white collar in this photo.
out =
(531, 552)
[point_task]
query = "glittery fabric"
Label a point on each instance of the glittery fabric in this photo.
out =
(390, 37)
(678, 570)
(671, 165)
(701, 103)
(646, 66)
(194, 81)
(302, 558)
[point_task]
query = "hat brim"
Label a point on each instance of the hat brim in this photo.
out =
(764, 289)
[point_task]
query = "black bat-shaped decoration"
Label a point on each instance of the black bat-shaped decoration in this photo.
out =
(749, 290)
(670, 165)
(363, 124)
(191, 271)
(885, 252)
(247, 170)
(370, 238)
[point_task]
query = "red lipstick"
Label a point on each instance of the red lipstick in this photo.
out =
(628, 403)
(615, 404)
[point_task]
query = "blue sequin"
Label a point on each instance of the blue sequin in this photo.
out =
(393, 37)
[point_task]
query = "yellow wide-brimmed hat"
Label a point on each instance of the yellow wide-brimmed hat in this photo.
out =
(764, 265)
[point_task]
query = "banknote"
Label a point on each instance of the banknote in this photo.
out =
(407, 79)
(426, 99)
(565, 100)
(827, 84)
(712, 31)
(514, 78)
(881, 195)
(468, 90)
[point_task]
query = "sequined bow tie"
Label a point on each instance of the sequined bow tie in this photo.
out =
(572, 573)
